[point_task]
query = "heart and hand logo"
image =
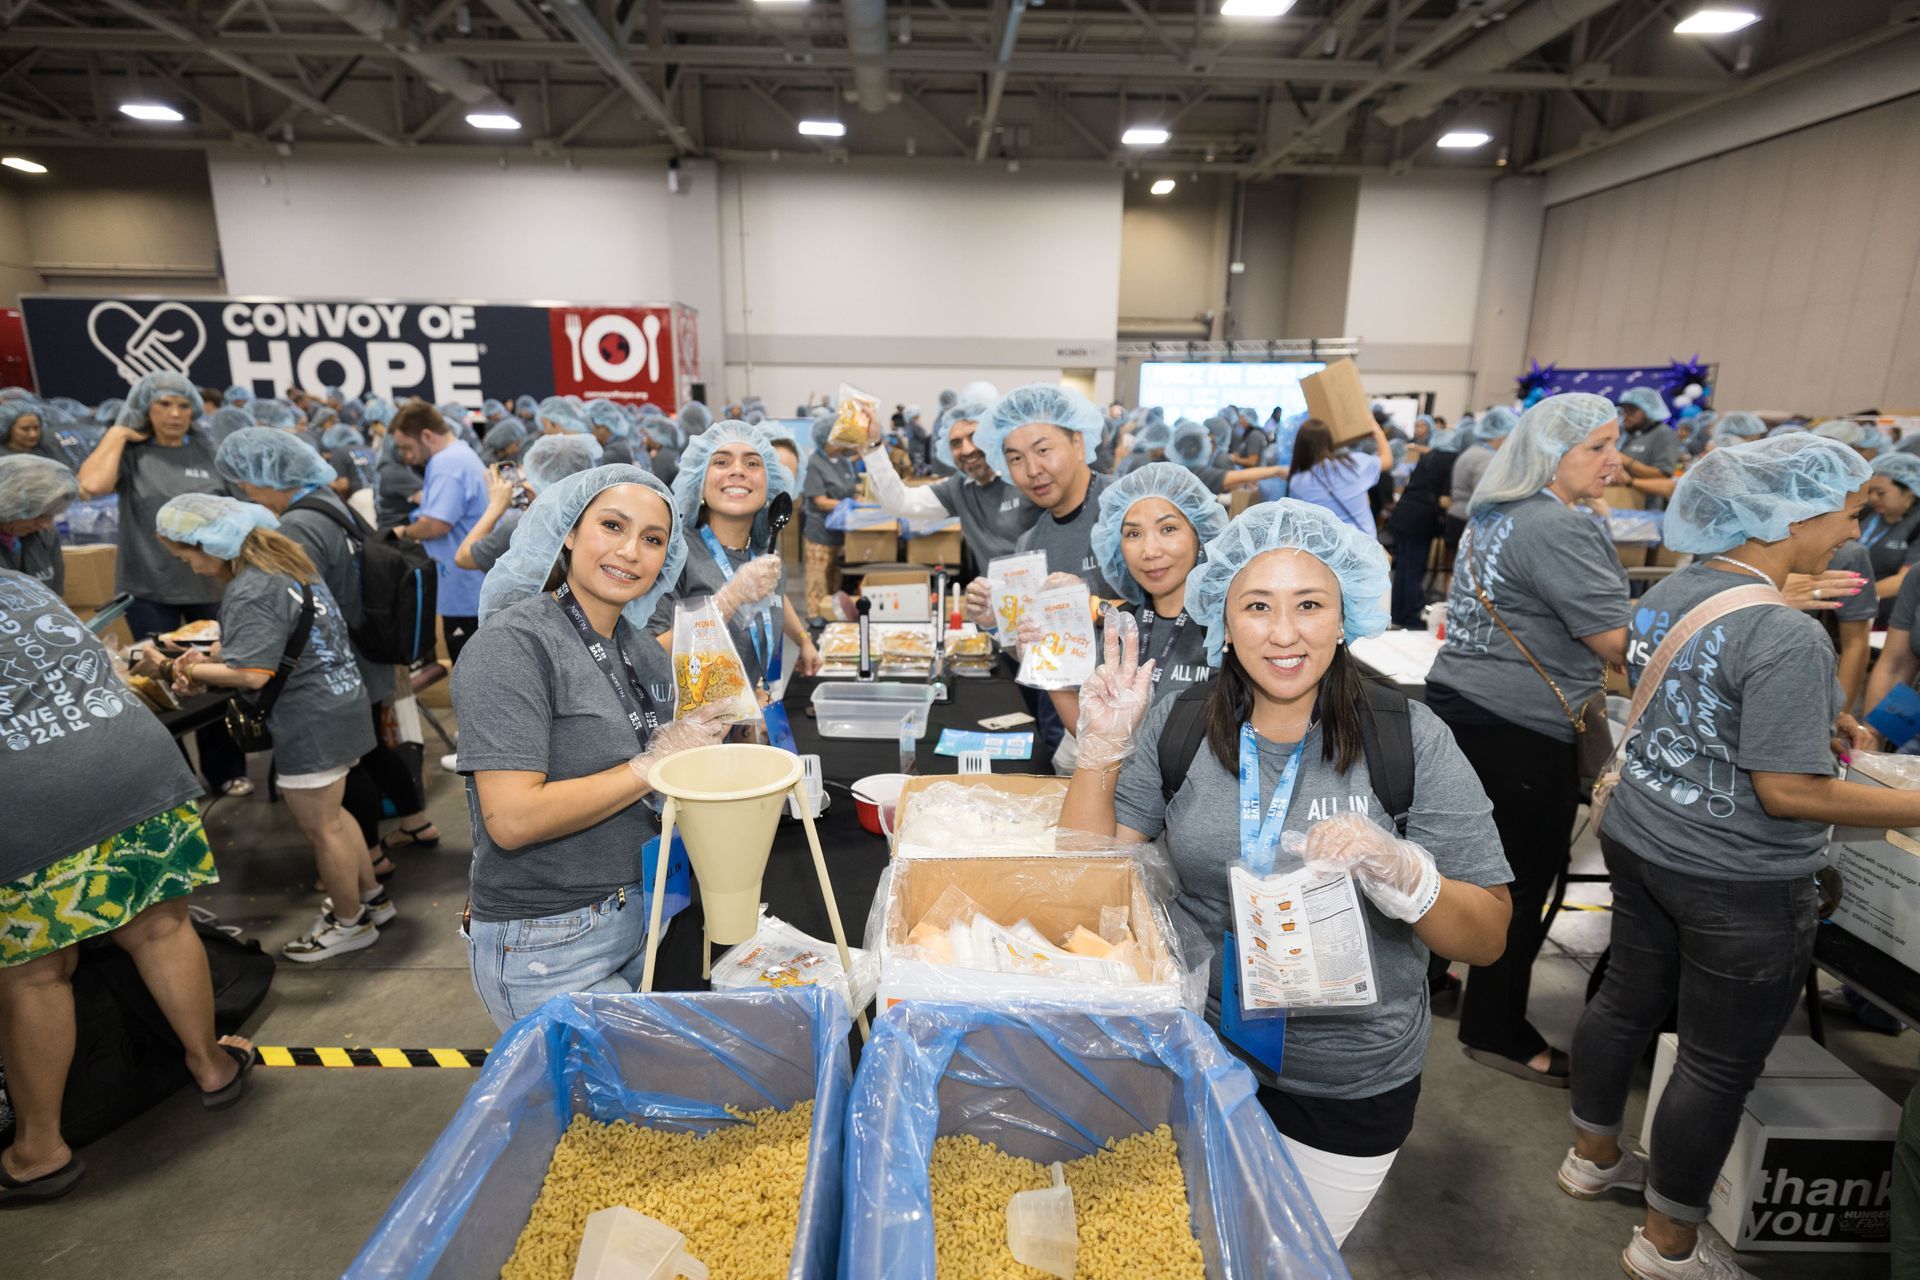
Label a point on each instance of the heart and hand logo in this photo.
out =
(166, 340)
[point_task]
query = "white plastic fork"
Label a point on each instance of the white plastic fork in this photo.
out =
(975, 762)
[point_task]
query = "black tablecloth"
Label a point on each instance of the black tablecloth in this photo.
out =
(200, 710)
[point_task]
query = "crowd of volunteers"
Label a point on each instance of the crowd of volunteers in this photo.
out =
(1228, 719)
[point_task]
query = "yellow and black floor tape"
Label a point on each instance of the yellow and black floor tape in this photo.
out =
(269, 1055)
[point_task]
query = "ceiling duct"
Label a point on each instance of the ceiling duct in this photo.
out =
(866, 22)
(1502, 44)
(377, 20)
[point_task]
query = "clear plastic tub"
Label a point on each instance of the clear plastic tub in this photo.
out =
(872, 710)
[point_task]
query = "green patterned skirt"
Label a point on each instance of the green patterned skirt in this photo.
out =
(103, 886)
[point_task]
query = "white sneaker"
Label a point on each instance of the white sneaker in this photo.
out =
(1584, 1180)
(450, 762)
(380, 908)
(1710, 1260)
(329, 938)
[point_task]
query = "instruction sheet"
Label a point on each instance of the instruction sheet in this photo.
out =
(1302, 942)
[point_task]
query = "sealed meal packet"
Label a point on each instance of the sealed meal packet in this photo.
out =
(1063, 657)
(854, 419)
(707, 670)
(1013, 584)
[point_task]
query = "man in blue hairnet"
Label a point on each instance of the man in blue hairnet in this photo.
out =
(993, 514)
(452, 501)
(1647, 447)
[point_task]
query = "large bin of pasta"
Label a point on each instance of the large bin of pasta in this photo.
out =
(720, 1114)
(1176, 1171)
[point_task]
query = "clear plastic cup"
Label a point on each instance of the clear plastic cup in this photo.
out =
(1042, 1230)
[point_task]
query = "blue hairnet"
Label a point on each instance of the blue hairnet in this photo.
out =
(605, 413)
(1787, 429)
(1859, 435)
(1155, 480)
(15, 393)
(378, 409)
(1496, 423)
(691, 480)
(107, 412)
(1426, 418)
(1757, 489)
(1526, 463)
(1647, 401)
(276, 413)
(352, 412)
(1444, 440)
(1901, 468)
(332, 393)
(542, 534)
(822, 428)
(342, 437)
(11, 411)
(224, 422)
(69, 406)
(32, 486)
(1154, 433)
(694, 418)
(215, 523)
(1038, 402)
(1218, 431)
(526, 406)
(1356, 559)
(780, 429)
(320, 411)
(271, 459)
(237, 396)
(1192, 443)
(974, 411)
(1909, 443)
(661, 431)
(980, 391)
(493, 410)
(948, 399)
(133, 413)
(505, 432)
(551, 459)
(1734, 427)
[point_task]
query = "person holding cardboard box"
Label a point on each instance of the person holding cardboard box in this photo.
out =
(1334, 477)
(1720, 816)
(993, 514)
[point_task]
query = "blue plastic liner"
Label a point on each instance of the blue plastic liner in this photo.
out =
(668, 1061)
(1053, 1084)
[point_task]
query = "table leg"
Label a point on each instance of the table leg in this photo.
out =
(833, 907)
(659, 892)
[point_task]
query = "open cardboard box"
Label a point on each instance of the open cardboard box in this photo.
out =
(1336, 397)
(1054, 893)
(906, 837)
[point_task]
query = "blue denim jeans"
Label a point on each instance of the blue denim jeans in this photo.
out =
(520, 964)
(1734, 953)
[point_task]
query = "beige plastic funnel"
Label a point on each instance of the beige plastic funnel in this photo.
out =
(727, 803)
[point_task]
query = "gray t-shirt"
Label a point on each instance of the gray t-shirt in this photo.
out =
(37, 555)
(1852, 557)
(397, 482)
(827, 477)
(1178, 647)
(84, 757)
(357, 465)
(494, 543)
(1657, 446)
(1754, 691)
(530, 699)
(334, 555)
(1467, 470)
(1069, 543)
(321, 720)
(1342, 1055)
(150, 475)
(992, 516)
(1554, 578)
(1906, 611)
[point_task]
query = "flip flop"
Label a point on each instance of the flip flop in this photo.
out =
(46, 1187)
(413, 838)
(1558, 1075)
(233, 1090)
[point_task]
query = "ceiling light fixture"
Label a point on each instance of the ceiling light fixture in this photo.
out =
(1463, 139)
(1161, 187)
(1254, 8)
(823, 129)
(23, 165)
(1143, 135)
(1715, 22)
(492, 120)
(153, 112)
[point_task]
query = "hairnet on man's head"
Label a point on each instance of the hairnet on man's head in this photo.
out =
(1153, 433)
(690, 482)
(1038, 402)
(1647, 401)
(781, 429)
(948, 399)
(237, 396)
(32, 486)
(1901, 468)
(1357, 560)
(551, 459)
(271, 460)
(1167, 480)
(606, 414)
(1192, 443)
(152, 387)
(505, 432)
(980, 391)
(1526, 463)
(542, 534)
(563, 412)
(694, 418)
(342, 437)
(974, 411)
(215, 523)
(1496, 424)
(1757, 490)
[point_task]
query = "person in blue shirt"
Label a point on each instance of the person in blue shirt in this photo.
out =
(1335, 477)
(453, 500)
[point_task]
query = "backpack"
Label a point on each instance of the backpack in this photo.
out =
(1386, 737)
(399, 591)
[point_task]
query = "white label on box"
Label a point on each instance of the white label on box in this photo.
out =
(1881, 905)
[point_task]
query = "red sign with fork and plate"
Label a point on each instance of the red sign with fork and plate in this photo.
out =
(631, 354)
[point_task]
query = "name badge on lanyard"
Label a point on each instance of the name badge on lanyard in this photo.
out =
(1264, 1036)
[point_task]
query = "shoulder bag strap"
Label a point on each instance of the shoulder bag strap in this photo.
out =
(1702, 615)
(1573, 717)
(290, 656)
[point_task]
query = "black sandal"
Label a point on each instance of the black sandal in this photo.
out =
(413, 838)
(46, 1187)
(233, 1090)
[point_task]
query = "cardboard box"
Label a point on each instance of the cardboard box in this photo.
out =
(899, 595)
(906, 835)
(879, 544)
(1054, 894)
(1811, 1164)
(1335, 396)
(936, 549)
(89, 575)
(1881, 905)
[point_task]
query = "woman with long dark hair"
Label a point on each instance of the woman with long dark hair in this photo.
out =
(1289, 729)
(1335, 477)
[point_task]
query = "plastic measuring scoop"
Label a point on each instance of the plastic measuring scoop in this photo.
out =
(625, 1244)
(1042, 1230)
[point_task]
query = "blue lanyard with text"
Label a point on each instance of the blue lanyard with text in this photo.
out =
(761, 645)
(1260, 840)
(1872, 529)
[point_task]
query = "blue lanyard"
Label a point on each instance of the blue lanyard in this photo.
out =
(761, 643)
(1260, 841)
(1872, 529)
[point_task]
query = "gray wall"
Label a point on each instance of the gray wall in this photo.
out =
(114, 220)
(1322, 259)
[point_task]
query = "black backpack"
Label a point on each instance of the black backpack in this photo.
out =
(399, 591)
(1386, 733)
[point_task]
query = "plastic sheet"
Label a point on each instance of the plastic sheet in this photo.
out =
(614, 1058)
(780, 957)
(1055, 1084)
(950, 817)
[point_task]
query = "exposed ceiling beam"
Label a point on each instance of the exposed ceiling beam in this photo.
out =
(518, 20)
(1499, 46)
(448, 108)
(1154, 29)
(71, 129)
(324, 90)
(591, 114)
(576, 18)
(997, 79)
(954, 20)
(912, 102)
(187, 91)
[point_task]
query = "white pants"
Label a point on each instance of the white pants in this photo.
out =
(1341, 1186)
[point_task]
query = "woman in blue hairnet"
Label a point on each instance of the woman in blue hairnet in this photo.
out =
(1489, 433)
(1283, 741)
(566, 706)
(549, 460)
(1648, 449)
(1537, 608)
(1722, 814)
(1336, 477)
(1891, 530)
(23, 430)
(33, 493)
(148, 457)
(832, 479)
(1419, 516)
(1194, 448)
(608, 422)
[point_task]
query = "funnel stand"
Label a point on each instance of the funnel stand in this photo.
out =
(833, 906)
(667, 814)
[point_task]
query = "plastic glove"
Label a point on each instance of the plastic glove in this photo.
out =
(1398, 875)
(1114, 699)
(752, 582)
(700, 727)
(977, 605)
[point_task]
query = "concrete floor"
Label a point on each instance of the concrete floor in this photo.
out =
(289, 1184)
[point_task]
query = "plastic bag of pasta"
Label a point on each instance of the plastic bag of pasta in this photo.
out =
(854, 419)
(707, 670)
